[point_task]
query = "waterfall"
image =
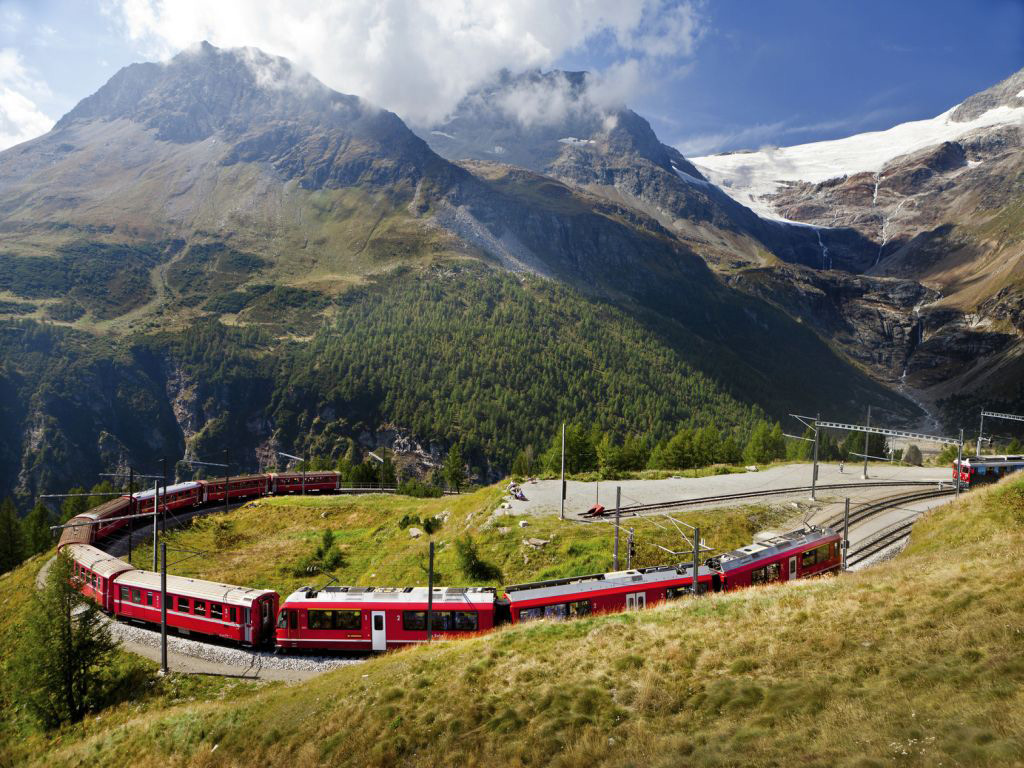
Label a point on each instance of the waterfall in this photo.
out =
(826, 260)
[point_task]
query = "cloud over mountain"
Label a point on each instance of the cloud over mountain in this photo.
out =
(420, 57)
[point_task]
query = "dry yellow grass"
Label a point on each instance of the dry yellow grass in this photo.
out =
(919, 661)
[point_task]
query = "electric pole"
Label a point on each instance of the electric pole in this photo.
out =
(430, 593)
(131, 509)
(561, 503)
(630, 551)
(227, 479)
(846, 531)
(163, 608)
(814, 471)
(866, 436)
(959, 462)
(696, 561)
(615, 553)
(981, 429)
(156, 511)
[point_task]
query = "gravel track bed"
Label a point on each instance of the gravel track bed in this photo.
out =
(242, 659)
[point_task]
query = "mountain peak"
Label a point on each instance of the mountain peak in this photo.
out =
(1008, 93)
(204, 89)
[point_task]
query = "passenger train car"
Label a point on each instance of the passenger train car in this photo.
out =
(986, 469)
(380, 618)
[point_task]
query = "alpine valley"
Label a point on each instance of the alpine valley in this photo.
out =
(219, 252)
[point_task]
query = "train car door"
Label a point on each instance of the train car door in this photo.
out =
(379, 634)
(247, 623)
(792, 567)
(635, 601)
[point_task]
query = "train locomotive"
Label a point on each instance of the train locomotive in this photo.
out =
(383, 618)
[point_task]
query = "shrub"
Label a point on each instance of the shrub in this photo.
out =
(419, 489)
(471, 564)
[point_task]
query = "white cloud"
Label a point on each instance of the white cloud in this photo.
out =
(419, 57)
(20, 117)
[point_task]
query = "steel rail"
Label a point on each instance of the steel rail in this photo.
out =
(636, 508)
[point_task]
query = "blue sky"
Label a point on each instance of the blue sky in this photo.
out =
(710, 76)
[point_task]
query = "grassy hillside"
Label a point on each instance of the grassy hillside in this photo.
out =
(915, 662)
(265, 542)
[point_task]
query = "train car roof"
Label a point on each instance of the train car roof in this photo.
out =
(234, 478)
(476, 596)
(603, 581)
(205, 590)
(108, 508)
(96, 560)
(308, 473)
(762, 550)
(186, 486)
(968, 460)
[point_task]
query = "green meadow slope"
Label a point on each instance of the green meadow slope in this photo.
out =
(919, 661)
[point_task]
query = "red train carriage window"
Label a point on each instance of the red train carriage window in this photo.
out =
(528, 614)
(199, 608)
(216, 611)
(814, 556)
(234, 615)
(454, 621)
(765, 575)
(124, 594)
(136, 596)
(183, 604)
(378, 622)
(293, 619)
(334, 619)
(282, 620)
(149, 598)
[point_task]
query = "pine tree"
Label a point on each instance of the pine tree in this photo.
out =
(36, 530)
(759, 446)
(453, 468)
(12, 548)
(59, 661)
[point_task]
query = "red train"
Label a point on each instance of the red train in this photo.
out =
(986, 469)
(382, 618)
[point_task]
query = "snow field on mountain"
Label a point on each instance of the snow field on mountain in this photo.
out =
(748, 177)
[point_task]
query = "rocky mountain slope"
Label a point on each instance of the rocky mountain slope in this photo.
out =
(194, 228)
(937, 202)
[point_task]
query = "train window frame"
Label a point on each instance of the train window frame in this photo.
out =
(124, 595)
(282, 619)
(234, 614)
(136, 595)
(217, 611)
(470, 621)
(293, 619)
(334, 619)
(414, 621)
(149, 598)
(199, 607)
(531, 614)
(183, 605)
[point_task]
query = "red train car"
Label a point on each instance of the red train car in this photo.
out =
(241, 487)
(114, 508)
(95, 572)
(975, 470)
(380, 618)
(605, 592)
(312, 482)
(795, 555)
(194, 606)
(178, 496)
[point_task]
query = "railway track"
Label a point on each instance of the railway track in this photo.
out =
(881, 541)
(869, 510)
(636, 509)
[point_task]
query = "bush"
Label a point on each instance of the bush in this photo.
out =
(419, 489)
(471, 564)
(325, 558)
